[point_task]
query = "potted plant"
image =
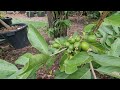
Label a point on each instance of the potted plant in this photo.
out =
(15, 34)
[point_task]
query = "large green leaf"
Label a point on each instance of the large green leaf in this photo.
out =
(110, 70)
(113, 20)
(97, 47)
(37, 40)
(81, 73)
(63, 58)
(115, 48)
(22, 60)
(107, 29)
(35, 62)
(77, 60)
(106, 60)
(6, 69)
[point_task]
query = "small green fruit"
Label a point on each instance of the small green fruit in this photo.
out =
(77, 39)
(67, 44)
(92, 38)
(55, 45)
(76, 44)
(84, 46)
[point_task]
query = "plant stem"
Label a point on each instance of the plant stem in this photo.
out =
(4, 24)
(105, 13)
(92, 69)
(58, 52)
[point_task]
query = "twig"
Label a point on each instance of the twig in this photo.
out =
(58, 52)
(92, 69)
(105, 13)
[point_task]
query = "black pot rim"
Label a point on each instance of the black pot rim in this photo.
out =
(19, 24)
(6, 18)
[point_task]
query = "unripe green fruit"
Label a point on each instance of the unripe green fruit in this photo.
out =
(67, 44)
(77, 39)
(76, 44)
(55, 45)
(72, 40)
(92, 38)
(71, 47)
(84, 46)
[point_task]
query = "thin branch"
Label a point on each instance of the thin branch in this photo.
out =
(58, 52)
(105, 13)
(92, 69)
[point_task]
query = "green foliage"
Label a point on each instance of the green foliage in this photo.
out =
(106, 60)
(37, 40)
(81, 73)
(22, 60)
(6, 69)
(110, 70)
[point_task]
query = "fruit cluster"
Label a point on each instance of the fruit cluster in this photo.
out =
(77, 43)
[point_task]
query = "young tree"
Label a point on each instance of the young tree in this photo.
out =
(56, 21)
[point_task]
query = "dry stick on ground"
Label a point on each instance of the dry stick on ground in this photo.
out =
(105, 13)
(4, 24)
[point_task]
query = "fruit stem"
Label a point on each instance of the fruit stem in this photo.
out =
(92, 69)
(58, 52)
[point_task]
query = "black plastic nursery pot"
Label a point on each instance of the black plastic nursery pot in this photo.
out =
(17, 38)
(40, 14)
(7, 20)
(30, 14)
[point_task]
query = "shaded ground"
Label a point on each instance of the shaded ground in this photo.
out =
(10, 54)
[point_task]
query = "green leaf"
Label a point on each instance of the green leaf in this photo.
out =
(97, 47)
(109, 40)
(115, 48)
(107, 29)
(67, 22)
(89, 28)
(106, 60)
(104, 35)
(22, 60)
(37, 40)
(63, 58)
(81, 73)
(77, 60)
(113, 20)
(60, 75)
(110, 70)
(50, 62)
(35, 62)
(6, 69)
(116, 29)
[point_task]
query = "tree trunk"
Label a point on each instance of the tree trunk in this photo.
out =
(53, 16)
